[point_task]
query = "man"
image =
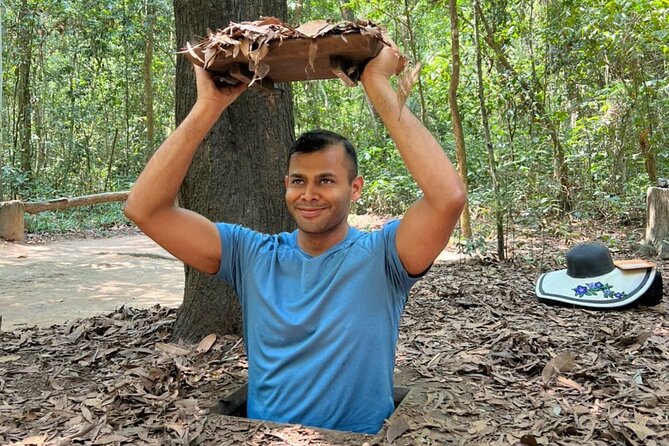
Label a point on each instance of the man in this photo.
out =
(321, 306)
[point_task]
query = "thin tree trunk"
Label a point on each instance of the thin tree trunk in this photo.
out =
(460, 153)
(346, 12)
(148, 78)
(87, 181)
(297, 13)
(69, 152)
(126, 84)
(648, 156)
(492, 164)
(415, 57)
(40, 161)
(237, 173)
(560, 166)
(24, 118)
(111, 160)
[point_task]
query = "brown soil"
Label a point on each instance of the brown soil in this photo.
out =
(49, 283)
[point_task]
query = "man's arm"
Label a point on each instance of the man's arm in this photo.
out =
(189, 236)
(426, 227)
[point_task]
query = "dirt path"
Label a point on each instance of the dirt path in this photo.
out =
(45, 284)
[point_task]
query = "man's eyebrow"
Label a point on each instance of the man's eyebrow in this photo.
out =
(320, 175)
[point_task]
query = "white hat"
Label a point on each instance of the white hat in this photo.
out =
(592, 280)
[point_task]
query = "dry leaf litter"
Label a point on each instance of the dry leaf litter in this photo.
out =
(491, 366)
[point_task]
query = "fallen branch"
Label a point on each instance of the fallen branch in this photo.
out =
(67, 203)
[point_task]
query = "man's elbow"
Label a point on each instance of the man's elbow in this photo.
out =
(133, 211)
(460, 198)
(453, 202)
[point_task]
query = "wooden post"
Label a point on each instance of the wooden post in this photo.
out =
(11, 220)
(657, 220)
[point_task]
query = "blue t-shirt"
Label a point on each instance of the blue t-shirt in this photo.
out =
(320, 332)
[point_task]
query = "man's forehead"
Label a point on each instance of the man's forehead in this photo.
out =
(326, 156)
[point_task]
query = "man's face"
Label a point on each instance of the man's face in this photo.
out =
(319, 190)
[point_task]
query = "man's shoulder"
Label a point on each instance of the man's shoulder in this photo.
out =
(241, 232)
(374, 239)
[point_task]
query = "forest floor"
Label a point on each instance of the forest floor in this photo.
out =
(475, 346)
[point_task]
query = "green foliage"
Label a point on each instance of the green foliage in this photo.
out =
(98, 217)
(597, 72)
(476, 245)
(88, 126)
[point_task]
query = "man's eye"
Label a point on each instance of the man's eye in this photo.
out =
(327, 180)
(296, 181)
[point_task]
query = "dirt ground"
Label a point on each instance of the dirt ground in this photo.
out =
(488, 365)
(50, 283)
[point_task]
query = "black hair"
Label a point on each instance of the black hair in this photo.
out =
(320, 139)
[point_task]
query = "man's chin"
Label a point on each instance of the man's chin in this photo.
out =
(311, 228)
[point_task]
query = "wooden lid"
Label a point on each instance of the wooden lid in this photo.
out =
(299, 59)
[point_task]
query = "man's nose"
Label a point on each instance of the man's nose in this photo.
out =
(311, 192)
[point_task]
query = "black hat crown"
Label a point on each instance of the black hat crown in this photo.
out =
(589, 260)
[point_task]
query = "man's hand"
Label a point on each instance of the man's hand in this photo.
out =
(211, 95)
(387, 63)
(428, 223)
(189, 236)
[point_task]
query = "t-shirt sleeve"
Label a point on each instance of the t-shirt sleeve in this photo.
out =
(396, 270)
(237, 247)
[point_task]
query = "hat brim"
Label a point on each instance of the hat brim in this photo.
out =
(618, 288)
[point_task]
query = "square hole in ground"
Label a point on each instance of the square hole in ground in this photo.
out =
(234, 404)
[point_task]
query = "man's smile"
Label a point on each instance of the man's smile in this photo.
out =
(309, 211)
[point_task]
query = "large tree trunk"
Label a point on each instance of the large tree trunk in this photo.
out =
(2, 114)
(460, 153)
(237, 174)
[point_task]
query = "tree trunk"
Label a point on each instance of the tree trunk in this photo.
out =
(657, 218)
(24, 118)
(492, 164)
(560, 165)
(148, 78)
(648, 156)
(414, 54)
(346, 12)
(2, 108)
(126, 87)
(297, 13)
(237, 174)
(460, 154)
(110, 164)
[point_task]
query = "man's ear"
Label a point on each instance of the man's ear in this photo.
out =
(356, 187)
(285, 181)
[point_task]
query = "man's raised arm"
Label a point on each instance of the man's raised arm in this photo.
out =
(427, 225)
(189, 236)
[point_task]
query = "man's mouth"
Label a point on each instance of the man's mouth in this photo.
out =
(310, 212)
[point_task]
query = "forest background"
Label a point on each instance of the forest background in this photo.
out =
(562, 104)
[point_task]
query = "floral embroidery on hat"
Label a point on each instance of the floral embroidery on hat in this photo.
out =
(591, 289)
